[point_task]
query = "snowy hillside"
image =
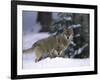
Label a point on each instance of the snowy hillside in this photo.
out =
(28, 58)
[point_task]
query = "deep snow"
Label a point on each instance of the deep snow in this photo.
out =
(28, 58)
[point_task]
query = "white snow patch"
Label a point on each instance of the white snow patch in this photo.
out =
(73, 43)
(75, 26)
(68, 18)
(30, 39)
(77, 35)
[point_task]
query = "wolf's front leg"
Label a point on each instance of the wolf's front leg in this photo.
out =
(52, 53)
(62, 54)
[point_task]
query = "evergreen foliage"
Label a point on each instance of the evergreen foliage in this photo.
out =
(80, 46)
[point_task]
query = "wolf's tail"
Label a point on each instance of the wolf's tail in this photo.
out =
(30, 50)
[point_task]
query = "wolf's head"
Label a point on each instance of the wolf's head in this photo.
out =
(68, 33)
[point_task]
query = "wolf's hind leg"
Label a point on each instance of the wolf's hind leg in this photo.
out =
(38, 57)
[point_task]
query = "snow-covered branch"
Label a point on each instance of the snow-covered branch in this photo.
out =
(82, 48)
(77, 35)
(75, 26)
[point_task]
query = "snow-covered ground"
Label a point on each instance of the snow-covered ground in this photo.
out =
(29, 58)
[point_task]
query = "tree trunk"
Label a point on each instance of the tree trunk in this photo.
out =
(45, 20)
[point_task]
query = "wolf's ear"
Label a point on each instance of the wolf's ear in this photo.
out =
(65, 29)
(71, 31)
